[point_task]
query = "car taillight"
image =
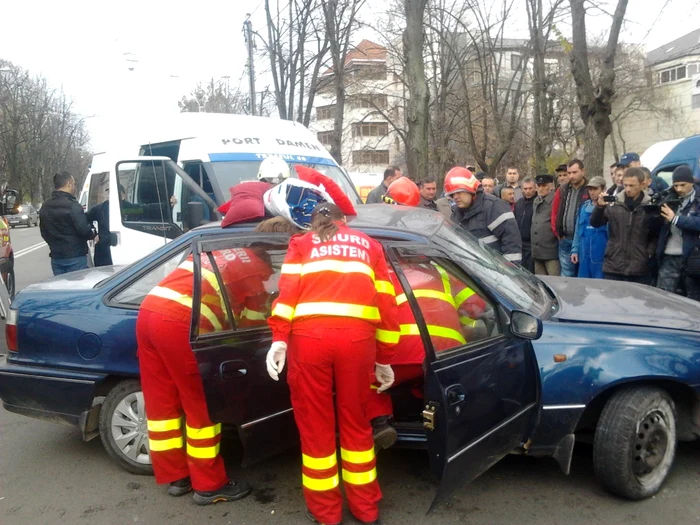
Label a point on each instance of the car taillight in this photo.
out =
(11, 330)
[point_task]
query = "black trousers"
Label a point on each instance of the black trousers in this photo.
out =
(528, 262)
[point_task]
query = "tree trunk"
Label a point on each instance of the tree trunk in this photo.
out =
(594, 147)
(417, 105)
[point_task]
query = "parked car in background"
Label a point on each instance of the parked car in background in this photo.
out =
(23, 215)
(554, 360)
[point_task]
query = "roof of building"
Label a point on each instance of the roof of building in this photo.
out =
(364, 51)
(680, 47)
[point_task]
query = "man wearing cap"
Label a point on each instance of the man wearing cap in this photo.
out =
(485, 216)
(588, 250)
(562, 175)
(680, 236)
(523, 216)
(543, 242)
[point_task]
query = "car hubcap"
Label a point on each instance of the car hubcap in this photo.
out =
(651, 444)
(130, 428)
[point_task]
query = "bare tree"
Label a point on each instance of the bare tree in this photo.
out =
(341, 23)
(417, 115)
(215, 97)
(594, 100)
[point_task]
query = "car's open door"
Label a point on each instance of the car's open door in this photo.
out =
(482, 398)
(231, 361)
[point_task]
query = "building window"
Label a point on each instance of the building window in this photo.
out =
(325, 112)
(325, 137)
(370, 129)
(672, 74)
(370, 157)
(516, 61)
(693, 69)
(369, 101)
(695, 103)
(370, 72)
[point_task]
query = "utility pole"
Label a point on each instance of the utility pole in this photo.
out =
(248, 31)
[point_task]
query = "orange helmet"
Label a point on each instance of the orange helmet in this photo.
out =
(460, 179)
(404, 191)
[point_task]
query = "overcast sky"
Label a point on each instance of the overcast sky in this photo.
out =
(88, 48)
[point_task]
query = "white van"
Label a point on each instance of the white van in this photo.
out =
(177, 180)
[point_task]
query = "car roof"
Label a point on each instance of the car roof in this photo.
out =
(418, 222)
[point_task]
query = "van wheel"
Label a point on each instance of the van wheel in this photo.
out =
(635, 442)
(123, 428)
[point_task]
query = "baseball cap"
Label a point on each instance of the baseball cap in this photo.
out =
(596, 182)
(628, 158)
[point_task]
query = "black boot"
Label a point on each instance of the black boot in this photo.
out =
(383, 432)
(180, 487)
(232, 491)
(311, 517)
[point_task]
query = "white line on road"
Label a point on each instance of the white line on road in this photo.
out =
(25, 251)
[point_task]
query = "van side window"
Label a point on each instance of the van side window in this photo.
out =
(99, 189)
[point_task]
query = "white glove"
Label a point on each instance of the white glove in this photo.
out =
(385, 376)
(276, 357)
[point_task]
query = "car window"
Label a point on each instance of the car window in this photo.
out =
(99, 188)
(248, 274)
(134, 294)
(455, 311)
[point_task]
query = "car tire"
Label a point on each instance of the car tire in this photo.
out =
(635, 442)
(123, 427)
(10, 283)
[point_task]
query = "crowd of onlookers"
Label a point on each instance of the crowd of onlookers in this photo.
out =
(570, 225)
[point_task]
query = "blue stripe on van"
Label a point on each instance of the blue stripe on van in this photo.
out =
(298, 159)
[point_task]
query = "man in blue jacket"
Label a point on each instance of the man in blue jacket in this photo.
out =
(588, 249)
(680, 235)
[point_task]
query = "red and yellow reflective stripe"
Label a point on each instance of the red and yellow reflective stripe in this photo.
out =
(320, 485)
(161, 445)
(434, 330)
(204, 432)
(387, 336)
(384, 287)
(163, 425)
(340, 309)
(328, 266)
(357, 457)
(284, 311)
(203, 452)
(428, 294)
(319, 463)
(359, 478)
(186, 300)
(464, 295)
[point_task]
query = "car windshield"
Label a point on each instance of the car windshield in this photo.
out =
(228, 174)
(523, 289)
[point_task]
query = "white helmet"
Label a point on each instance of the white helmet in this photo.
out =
(273, 169)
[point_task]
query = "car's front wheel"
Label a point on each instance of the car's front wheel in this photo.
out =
(635, 442)
(123, 427)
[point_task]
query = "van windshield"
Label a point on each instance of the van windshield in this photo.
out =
(229, 174)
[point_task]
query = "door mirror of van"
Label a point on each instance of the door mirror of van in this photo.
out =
(525, 325)
(195, 215)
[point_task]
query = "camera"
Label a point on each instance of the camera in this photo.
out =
(609, 198)
(668, 197)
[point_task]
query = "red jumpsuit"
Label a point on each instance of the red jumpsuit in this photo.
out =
(449, 308)
(169, 373)
(337, 311)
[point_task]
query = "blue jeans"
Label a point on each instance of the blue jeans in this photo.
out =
(73, 264)
(568, 269)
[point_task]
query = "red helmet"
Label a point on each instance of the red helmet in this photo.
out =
(460, 179)
(404, 191)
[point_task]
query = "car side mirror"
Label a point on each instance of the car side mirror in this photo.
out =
(195, 215)
(525, 325)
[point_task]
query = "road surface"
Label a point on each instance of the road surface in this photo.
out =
(48, 475)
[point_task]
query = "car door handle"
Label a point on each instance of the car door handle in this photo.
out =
(455, 395)
(233, 369)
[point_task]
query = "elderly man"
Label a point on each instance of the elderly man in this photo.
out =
(562, 175)
(543, 241)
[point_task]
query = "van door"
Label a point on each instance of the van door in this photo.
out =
(151, 205)
(482, 385)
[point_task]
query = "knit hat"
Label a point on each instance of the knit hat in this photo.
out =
(683, 174)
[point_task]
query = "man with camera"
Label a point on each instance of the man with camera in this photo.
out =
(678, 249)
(632, 230)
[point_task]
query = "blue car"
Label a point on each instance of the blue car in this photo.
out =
(554, 360)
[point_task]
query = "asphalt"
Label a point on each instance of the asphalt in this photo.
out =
(48, 475)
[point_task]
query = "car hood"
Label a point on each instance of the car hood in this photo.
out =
(81, 280)
(613, 302)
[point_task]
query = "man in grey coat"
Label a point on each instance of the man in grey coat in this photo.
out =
(543, 242)
(391, 174)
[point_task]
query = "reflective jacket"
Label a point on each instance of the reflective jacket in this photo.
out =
(491, 220)
(340, 283)
(449, 309)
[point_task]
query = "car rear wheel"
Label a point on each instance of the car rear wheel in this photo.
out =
(635, 442)
(10, 283)
(123, 427)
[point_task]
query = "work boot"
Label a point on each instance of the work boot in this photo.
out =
(383, 432)
(232, 491)
(311, 517)
(180, 487)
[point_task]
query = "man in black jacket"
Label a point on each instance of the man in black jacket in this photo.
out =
(523, 216)
(65, 228)
(632, 231)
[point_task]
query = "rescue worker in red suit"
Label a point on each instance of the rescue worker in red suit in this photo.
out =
(337, 314)
(185, 451)
(450, 310)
